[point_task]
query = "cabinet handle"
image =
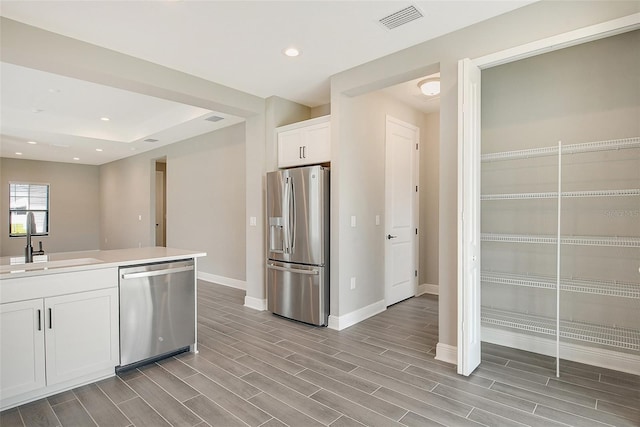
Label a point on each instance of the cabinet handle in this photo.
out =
(300, 152)
(304, 151)
(50, 320)
(39, 319)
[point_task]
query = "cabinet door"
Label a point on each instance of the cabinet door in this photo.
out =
(290, 145)
(307, 145)
(22, 365)
(81, 334)
(317, 144)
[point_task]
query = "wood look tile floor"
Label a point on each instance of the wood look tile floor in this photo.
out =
(257, 369)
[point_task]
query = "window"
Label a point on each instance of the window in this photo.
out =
(24, 198)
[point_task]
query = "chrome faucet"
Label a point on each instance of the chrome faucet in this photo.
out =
(31, 229)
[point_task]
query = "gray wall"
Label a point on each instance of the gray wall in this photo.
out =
(205, 200)
(530, 23)
(74, 204)
(585, 93)
(429, 189)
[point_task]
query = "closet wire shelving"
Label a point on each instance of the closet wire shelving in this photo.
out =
(617, 337)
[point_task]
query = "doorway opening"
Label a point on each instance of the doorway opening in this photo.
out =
(582, 151)
(160, 193)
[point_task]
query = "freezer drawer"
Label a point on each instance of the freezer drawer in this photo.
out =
(157, 310)
(299, 292)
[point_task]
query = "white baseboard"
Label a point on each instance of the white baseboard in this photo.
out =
(427, 288)
(447, 353)
(604, 358)
(221, 280)
(342, 322)
(259, 304)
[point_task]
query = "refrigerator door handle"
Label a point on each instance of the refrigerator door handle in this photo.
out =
(293, 270)
(285, 217)
(292, 217)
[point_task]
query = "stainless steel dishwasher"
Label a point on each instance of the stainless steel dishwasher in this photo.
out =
(157, 310)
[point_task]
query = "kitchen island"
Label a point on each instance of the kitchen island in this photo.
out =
(60, 319)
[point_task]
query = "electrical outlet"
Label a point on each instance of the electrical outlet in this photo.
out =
(353, 283)
(253, 221)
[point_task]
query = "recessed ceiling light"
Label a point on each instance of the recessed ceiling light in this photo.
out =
(31, 142)
(76, 158)
(292, 52)
(105, 119)
(18, 153)
(98, 149)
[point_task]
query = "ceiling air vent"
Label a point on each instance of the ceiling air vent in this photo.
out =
(150, 140)
(214, 118)
(401, 17)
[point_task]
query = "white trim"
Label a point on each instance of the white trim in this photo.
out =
(594, 356)
(447, 353)
(426, 288)
(560, 41)
(255, 303)
(221, 280)
(342, 322)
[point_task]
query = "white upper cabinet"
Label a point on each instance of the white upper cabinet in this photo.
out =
(304, 143)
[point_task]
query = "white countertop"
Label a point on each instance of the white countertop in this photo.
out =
(62, 262)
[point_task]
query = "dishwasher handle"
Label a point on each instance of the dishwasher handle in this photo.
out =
(153, 273)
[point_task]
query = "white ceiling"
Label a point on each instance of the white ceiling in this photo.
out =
(234, 43)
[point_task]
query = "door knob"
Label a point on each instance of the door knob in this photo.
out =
(389, 237)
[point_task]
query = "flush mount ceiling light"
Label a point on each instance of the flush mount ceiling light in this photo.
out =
(31, 142)
(430, 87)
(98, 149)
(76, 158)
(292, 52)
(18, 153)
(105, 119)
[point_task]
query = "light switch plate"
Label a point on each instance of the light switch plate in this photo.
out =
(353, 220)
(253, 221)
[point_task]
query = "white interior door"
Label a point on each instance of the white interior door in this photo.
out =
(469, 128)
(401, 202)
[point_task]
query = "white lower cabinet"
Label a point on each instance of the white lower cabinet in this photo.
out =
(22, 358)
(82, 334)
(70, 337)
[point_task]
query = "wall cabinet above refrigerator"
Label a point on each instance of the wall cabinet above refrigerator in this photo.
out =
(304, 143)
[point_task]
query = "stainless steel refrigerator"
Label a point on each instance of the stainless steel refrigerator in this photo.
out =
(298, 244)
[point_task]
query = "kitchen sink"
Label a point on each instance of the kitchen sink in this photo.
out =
(17, 264)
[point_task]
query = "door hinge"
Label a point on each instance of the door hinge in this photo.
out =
(415, 273)
(416, 188)
(416, 146)
(416, 231)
